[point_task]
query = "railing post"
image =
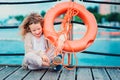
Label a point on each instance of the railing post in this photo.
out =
(70, 56)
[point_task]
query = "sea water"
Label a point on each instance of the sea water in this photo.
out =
(10, 42)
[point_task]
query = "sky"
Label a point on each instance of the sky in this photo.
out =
(6, 10)
(23, 9)
(20, 0)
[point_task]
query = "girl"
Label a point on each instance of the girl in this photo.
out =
(36, 56)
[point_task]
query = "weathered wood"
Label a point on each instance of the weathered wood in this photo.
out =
(18, 75)
(100, 74)
(68, 74)
(84, 74)
(7, 71)
(51, 75)
(35, 75)
(1, 67)
(114, 73)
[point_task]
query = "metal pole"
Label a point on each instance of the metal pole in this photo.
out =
(71, 38)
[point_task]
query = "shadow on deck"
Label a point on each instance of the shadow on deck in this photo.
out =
(79, 73)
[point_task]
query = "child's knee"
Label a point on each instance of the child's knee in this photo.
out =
(29, 56)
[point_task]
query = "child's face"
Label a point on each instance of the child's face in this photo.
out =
(36, 29)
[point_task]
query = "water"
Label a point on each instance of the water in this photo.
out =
(10, 42)
(105, 46)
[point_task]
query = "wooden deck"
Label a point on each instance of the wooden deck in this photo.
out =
(81, 73)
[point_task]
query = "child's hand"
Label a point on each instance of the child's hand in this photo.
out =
(45, 64)
(45, 58)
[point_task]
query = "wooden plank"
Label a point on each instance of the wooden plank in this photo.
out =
(67, 74)
(51, 75)
(1, 67)
(114, 74)
(18, 75)
(100, 74)
(7, 71)
(35, 75)
(84, 74)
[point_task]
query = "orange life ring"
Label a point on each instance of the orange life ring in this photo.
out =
(85, 15)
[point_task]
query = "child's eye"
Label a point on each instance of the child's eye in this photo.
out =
(33, 30)
(39, 28)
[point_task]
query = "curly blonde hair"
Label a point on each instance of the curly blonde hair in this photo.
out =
(33, 18)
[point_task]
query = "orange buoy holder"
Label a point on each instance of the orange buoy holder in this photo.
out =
(84, 14)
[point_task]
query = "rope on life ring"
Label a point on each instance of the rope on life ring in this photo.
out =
(60, 40)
